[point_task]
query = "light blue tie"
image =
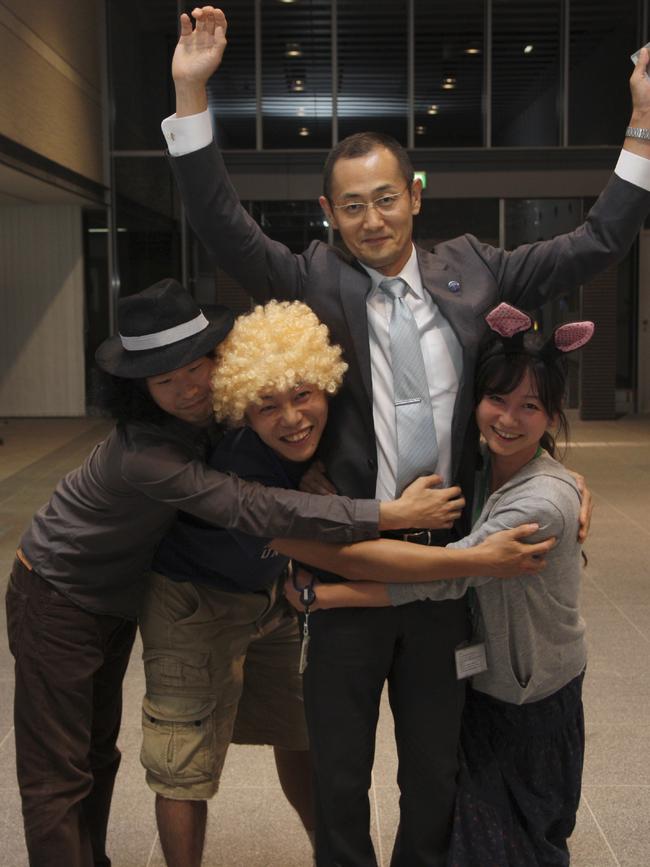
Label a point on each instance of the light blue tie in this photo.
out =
(417, 444)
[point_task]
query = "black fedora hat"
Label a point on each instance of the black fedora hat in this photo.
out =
(160, 329)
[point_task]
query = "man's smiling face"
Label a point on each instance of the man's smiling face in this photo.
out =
(381, 240)
(290, 422)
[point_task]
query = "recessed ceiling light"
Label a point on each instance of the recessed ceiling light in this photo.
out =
(472, 50)
(303, 131)
(433, 109)
(448, 82)
(297, 85)
(293, 49)
(420, 130)
(528, 49)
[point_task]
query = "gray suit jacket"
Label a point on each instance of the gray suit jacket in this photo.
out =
(335, 287)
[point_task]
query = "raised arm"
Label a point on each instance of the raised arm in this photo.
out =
(264, 268)
(197, 56)
(640, 119)
(533, 273)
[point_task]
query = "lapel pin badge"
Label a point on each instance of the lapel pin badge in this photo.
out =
(453, 286)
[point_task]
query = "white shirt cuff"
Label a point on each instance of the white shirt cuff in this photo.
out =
(634, 168)
(186, 134)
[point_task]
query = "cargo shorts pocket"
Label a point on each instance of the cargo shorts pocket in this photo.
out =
(179, 753)
(178, 717)
(175, 672)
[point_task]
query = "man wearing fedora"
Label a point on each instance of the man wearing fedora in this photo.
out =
(410, 323)
(77, 578)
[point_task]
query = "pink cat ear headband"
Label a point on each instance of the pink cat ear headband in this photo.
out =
(511, 324)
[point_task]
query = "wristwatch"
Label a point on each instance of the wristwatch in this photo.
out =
(637, 132)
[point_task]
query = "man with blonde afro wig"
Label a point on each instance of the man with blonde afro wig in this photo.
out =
(274, 349)
(215, 603)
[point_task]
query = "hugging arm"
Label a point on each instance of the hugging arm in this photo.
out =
(495, 554)
(413, 572)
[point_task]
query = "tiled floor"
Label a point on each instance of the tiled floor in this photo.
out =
(250, 823)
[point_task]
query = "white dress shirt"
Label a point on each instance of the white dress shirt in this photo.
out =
(443, 359)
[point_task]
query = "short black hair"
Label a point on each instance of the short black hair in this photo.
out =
(359, 145)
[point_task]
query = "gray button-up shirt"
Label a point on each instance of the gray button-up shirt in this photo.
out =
(95, 538)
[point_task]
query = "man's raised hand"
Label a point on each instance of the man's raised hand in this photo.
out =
(640, 90)
(197, 56)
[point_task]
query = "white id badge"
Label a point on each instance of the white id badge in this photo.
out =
(304, 649)
(471, 659)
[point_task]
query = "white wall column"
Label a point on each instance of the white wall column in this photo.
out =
(41, 311)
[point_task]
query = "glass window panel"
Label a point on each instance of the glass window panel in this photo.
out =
(297, 74)
(449, 73)
(530, 220)
(294, 223)
(441, 219)
(148, 224)
(603, 35)
(142, 37)
(526, 73)
(231, 90)
(372, 61)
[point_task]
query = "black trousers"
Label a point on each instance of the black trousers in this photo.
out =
(352, 653)
(70, 664)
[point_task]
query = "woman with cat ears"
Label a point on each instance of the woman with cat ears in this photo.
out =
(522, 742)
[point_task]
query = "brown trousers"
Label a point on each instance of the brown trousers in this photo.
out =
(70, 664)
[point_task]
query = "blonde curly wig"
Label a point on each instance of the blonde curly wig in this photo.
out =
(273, 348)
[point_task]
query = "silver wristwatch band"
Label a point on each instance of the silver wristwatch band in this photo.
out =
(637, 132)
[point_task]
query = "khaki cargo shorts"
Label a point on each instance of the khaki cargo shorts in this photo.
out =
(221, 668)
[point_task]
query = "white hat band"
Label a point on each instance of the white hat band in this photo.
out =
(164, 338)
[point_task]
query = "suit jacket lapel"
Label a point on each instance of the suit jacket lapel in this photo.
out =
(460, 314)
(354, 286)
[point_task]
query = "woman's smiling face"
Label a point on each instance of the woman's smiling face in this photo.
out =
(512, 424)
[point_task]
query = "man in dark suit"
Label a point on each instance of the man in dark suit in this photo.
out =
(370, 196)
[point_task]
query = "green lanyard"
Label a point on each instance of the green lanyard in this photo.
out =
(481, 489)
(482, 484)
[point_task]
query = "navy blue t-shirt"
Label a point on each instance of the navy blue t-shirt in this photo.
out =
(194, 550)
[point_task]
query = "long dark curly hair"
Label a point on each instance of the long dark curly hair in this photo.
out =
(125, 400)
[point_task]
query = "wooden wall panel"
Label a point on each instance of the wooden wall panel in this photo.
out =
(41, 312)
(68, 27)
(50, 100)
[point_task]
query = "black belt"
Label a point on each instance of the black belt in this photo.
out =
(420, 537)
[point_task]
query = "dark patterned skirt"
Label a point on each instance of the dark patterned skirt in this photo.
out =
(519, 782)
